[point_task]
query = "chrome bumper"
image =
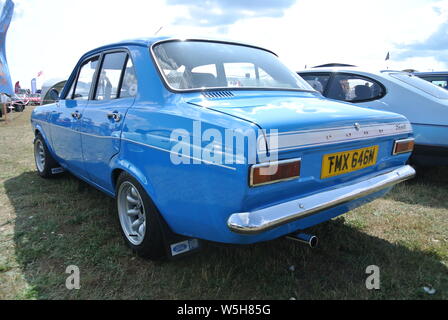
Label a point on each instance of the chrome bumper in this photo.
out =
(258, 221)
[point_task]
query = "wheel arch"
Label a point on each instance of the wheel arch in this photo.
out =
(125, 166)
(39, 130)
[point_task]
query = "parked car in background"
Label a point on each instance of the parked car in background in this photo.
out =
(14, 103)
(206, 139)
(34, 99)
(22, 95)
(423, 103)
(439, 78)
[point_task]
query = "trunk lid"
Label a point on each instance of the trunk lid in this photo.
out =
(305, 119)
(292, 113)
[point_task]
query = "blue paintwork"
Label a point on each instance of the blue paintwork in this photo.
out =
(427, 113)
(196, 200)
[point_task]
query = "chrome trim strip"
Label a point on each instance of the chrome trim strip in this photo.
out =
(399, 141)
(319, 137)
(258, 221)
(268, 164)
(342, 127)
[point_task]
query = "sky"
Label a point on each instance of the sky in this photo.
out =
(51, 35)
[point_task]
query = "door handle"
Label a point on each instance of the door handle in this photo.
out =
(114, 116)
(76, 115)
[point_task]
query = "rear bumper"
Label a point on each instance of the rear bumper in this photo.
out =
(262, 220)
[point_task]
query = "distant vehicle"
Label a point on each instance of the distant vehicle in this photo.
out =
(334, 65)
(19, 102)
(439, 78)
(14, 103)
(34, 99)
(125, 117)
(424, 104)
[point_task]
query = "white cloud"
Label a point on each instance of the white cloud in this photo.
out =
(51, 35)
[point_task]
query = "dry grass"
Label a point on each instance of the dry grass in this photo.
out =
(46, 225)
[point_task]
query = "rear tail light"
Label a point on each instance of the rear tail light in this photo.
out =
(273, 172)
(403, 146)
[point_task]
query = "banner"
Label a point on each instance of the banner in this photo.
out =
(5, 20)
(33, 86)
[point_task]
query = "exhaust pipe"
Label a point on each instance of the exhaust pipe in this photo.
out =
(308, 239)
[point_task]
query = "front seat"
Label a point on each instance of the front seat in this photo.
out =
(203, 80)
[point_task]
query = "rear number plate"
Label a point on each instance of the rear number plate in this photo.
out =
(348, 161)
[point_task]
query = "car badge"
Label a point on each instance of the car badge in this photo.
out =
(357, 126)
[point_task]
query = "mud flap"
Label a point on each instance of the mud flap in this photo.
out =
(177, 246)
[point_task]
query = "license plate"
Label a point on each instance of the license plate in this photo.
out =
(348, 161)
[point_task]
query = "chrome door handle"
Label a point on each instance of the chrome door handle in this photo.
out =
(76, 115)
(114, 116)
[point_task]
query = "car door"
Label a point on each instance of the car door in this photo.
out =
(103, 117)
(67, 117)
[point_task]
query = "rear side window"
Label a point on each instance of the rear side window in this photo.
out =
(421, 84)
(318, 81)
(354, 88)
(110, 76)
(129, 85)
(441, 81)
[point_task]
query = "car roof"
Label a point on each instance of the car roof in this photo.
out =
(356, 70)
(147, 42)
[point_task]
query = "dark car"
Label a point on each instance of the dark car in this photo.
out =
(439, 78)
(15, 103)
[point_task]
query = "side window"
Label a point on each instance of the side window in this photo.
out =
(129, 87)
(110, 75)
(85, 79)
(317, 81)
(353, 88)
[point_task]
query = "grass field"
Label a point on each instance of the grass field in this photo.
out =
(47, 225)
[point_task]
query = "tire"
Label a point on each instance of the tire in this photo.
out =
(141, 230)
(19, 108)
(42, 158)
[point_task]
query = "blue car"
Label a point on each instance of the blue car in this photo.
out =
(423, 103)
(213, 140)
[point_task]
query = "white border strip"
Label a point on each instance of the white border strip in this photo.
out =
(136, 142)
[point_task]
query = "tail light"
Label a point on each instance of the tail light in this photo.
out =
(273, 172)
(403, 146)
